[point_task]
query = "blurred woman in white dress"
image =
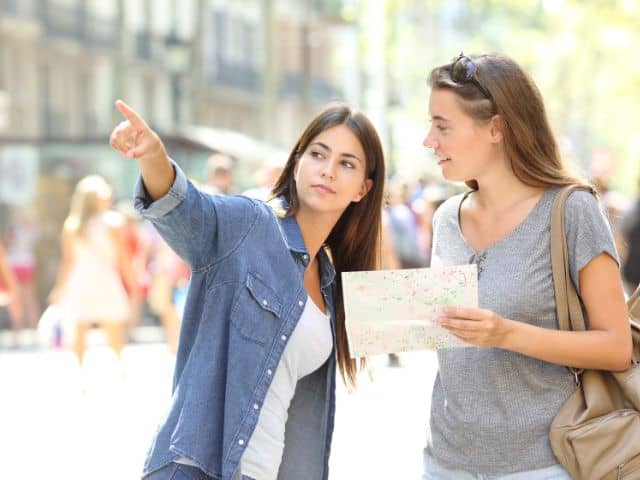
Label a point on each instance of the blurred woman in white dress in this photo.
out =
(94, 266)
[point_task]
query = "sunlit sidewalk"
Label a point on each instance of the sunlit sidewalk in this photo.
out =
(60, 422)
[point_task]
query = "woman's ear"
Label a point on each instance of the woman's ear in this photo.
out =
(495, 129)
(366, 186)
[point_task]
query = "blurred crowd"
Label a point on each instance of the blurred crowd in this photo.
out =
(117, 274)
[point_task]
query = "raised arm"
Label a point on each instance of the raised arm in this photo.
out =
(135, 140)
(200, 228)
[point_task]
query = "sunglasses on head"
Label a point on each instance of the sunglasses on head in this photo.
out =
(463, 70)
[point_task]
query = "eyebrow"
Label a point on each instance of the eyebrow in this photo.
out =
(439, 117)
(326, 147)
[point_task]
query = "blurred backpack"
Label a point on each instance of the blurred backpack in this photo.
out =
(631, 267)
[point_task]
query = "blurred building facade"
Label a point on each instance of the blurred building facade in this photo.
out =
(246, 65)
(259, 67)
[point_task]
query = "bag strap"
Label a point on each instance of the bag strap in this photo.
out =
(633, 304)
(568, 307)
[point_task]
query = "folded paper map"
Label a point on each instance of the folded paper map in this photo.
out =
(396, 310)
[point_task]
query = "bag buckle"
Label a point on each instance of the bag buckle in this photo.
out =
(576, 374)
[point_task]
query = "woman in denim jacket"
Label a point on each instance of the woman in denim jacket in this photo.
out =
(254, 383)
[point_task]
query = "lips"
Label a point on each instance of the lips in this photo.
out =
(323, 188)
(443, 160)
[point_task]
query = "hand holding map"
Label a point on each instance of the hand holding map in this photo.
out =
(395, 310)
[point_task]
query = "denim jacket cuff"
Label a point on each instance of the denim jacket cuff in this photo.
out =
(155, 209)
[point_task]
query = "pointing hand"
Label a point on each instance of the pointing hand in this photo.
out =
(133, 138)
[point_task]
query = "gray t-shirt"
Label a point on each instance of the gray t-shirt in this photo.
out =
(491, 408)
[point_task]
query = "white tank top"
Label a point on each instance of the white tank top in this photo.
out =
(308, 349)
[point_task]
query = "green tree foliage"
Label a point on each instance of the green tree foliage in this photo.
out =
(581, 53)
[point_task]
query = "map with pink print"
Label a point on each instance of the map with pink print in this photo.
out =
(391, 311)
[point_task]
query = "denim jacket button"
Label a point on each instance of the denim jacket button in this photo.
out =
(264, 302)
(241, 442)
(255, 406)
(269, 372)
(301, 303)
(284, 338)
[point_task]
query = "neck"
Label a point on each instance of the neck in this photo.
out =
(500, 189)
(315, 228)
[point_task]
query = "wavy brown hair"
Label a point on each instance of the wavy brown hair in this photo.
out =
(529, 142)
(354, 242)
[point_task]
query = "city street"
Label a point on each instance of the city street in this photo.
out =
(60, 423)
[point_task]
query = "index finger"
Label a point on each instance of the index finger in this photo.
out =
(130, 114)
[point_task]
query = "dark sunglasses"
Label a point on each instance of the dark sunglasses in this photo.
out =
(463, 70)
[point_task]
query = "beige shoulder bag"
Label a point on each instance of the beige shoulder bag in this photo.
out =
(596, 433)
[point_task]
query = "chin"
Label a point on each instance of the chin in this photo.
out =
(451, 177)
(317, 206)
(454, 176)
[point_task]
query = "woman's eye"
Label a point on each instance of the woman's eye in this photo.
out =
(441, 128)
(348, 164)
(315, 154)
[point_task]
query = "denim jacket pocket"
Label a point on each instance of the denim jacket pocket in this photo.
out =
(257, 311)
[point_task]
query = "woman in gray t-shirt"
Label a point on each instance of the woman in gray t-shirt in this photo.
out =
(493, 402)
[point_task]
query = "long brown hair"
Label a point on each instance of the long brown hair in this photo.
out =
(354, 242)
(529, 142)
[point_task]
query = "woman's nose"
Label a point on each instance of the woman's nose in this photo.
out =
(429, 141)
(329, 170)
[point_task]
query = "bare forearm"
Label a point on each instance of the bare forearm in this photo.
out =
(157, 175)
(594, 349)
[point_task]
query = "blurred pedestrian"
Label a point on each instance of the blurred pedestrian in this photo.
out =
(493, 403)
(403, 227)
(267, 177)
(170, 276)
(21, 255)
(219, 175)
(629, 232)
(9, 292)
(254, 385)
(433, 195)
(137, 246)
(94, 261)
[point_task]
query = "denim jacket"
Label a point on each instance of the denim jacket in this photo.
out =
(245, 297)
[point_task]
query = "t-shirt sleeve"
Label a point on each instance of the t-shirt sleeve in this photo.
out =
(588, 232)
